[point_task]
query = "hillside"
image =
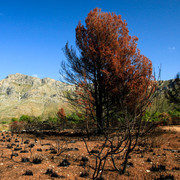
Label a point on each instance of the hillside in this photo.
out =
(22, 94)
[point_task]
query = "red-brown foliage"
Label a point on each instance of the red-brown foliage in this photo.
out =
(111, 73)
(61, 113)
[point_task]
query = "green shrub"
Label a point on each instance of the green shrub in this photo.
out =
(147, 116)
(35, 120)
(151, 117)
(4, 122)
(172, 117)
(25, 118)
(53, 119)
(73, 118)
(14, 119)
(174, 113)
(155, 117)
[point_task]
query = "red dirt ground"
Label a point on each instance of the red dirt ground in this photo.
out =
(162, 148)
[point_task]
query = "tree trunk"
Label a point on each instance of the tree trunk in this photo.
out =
(99, 107)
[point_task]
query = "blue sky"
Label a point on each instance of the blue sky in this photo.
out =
(33, 32)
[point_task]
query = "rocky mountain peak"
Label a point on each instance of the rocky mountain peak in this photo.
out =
(23, 94)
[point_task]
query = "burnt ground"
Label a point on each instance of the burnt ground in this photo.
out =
(24, 156)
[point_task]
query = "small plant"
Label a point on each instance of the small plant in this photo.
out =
(174, 113)
(25, 118)
(59, 148)
(4, 122)
(62, 116)
(74, 118)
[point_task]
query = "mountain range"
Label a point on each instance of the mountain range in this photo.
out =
(21, 94)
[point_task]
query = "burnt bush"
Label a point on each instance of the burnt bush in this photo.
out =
(156, 168)
(31, 145)
(24, 160)
(53, 174)
(24, 151)
(28, 173)
(163, 177)
(49, 171)
(37, 160)
(39, 149)
(26, 142)
(84, 174)
(148, 160)
(17, 149)
(14, 154)
(64, 163)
